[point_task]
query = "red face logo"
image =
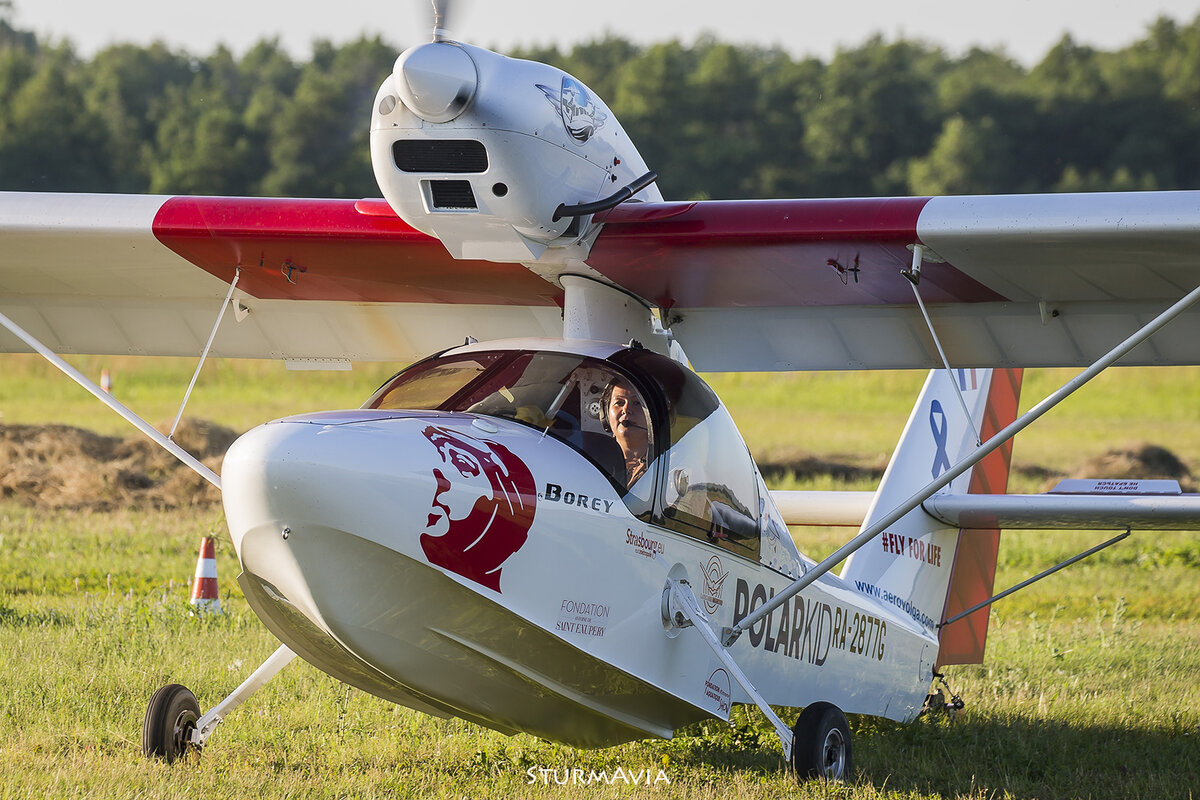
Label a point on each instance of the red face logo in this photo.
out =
(482, 507)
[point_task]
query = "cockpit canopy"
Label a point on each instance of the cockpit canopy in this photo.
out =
(688, 471)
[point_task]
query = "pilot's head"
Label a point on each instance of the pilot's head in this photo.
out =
(624, 415)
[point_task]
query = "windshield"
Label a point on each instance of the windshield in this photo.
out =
(430, 384)
(589, 404)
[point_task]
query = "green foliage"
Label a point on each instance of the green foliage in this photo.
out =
(715, 120)
(45, 121)
(968, 157)
(319, 141)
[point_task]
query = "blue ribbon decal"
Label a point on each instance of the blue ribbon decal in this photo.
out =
(941, 459)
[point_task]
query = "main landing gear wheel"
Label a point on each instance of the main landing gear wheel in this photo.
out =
(170, 720)
(821, 743)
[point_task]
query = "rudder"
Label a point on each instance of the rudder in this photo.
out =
(919, 565)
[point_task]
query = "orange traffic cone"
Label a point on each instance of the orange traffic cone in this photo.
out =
(205, 596)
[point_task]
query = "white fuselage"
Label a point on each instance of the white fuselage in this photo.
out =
(547, 616)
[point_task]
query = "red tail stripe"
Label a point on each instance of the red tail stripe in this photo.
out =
(974, 572)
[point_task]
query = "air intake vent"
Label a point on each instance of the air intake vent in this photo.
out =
(452, 194)
(440, 155)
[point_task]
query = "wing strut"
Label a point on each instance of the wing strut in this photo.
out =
(187, 458)
(204, 353)
(729, 635)
(1034, 579)
(914, 278)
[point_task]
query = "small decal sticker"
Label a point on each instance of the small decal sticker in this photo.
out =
(716, 688)
(714, 579)
(576, 107)
(939, 425)
(556, 494)
(582, 618)
(643, 545)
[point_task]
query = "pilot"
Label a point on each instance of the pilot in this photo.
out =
(625, 417)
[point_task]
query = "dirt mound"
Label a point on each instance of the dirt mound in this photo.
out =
(1138, 461)
(57, 466)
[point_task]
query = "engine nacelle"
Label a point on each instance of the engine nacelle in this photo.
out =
(480, 150)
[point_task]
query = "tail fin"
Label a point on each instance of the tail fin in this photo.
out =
(927, 570)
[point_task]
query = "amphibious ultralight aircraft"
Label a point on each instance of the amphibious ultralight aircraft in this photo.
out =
(555, 527)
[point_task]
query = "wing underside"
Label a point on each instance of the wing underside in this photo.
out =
(317, 279)
(1045, 280)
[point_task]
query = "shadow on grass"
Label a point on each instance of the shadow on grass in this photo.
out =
(1023, 757)
(979, 756)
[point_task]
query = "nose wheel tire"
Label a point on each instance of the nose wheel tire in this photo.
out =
(821, 743)
(170, 719)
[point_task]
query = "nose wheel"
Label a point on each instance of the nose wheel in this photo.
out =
(170, 719)
(821, 743)
(174, 725)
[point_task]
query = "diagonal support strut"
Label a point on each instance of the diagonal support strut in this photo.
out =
(729, 635)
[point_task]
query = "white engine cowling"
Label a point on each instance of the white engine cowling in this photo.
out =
(481, 150)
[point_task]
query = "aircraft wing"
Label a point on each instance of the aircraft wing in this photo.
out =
(1023, 280)
(1042, 280)
(319, 279)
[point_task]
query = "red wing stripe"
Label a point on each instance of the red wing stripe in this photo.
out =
(774, 253)
(334, 250)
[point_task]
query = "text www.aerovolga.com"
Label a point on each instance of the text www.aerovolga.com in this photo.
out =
(577, 776)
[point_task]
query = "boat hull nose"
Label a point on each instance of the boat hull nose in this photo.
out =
(312, 479)
(344, 533)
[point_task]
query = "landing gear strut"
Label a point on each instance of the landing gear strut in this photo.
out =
(818, 746)
(821, 743)
(173, 723)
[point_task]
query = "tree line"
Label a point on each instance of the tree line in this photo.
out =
(716, 120)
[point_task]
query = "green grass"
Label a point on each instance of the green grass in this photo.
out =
(857, 416)
(1103, 703)
(236, 393)
(861, 414)
(1091, 686)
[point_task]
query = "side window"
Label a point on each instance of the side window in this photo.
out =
(710, 489)
(778, 550)
(625, 417)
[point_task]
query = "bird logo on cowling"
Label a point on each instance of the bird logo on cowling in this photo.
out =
(575, 105)
(481, 509)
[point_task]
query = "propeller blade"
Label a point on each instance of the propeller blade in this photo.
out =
(441, 25)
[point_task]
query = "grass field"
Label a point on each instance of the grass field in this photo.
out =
(1091, 686)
